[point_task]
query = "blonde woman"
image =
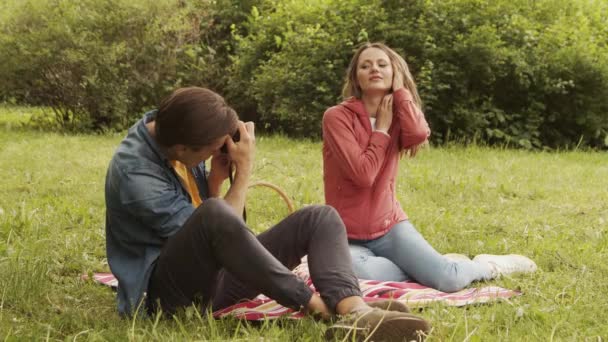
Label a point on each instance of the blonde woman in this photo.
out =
(363, 138)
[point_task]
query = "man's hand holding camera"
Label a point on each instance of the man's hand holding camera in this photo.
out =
(241, 147)
(222, 159)
(238, 150)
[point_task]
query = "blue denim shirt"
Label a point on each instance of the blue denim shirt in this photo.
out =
(145, 204)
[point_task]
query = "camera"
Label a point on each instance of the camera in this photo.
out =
(235, 137)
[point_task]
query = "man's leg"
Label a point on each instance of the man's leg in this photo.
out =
(214, 238)
(319, 232)
(316, 231)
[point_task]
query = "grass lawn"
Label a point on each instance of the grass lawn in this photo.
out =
(552, 207)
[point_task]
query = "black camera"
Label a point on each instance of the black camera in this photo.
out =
(235, 137)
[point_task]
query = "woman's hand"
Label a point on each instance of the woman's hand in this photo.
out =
(397, 80)
(384, 117)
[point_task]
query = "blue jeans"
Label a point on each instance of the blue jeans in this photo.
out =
(403, 254)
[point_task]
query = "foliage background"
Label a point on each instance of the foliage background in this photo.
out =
(521, 73)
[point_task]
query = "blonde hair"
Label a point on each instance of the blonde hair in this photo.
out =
(351, 86)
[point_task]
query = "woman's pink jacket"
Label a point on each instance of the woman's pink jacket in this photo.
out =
(360, 165)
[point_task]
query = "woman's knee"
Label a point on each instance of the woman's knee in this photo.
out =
(360, 261)
(369, 266)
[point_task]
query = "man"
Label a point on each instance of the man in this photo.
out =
(172, 242)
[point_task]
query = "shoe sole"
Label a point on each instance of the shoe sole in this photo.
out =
(395, 329)
(390, 305)
(400, 329)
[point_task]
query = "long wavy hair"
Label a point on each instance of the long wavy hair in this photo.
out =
(351, 85)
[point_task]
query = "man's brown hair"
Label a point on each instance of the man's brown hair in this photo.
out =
(194, 117)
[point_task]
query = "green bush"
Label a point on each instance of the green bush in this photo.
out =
(98, 64)
(225, 19)
(521, 73)
(293, 59)
(512, 72)
(506, 72)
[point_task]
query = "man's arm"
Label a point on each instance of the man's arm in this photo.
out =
(147, 195)
(241, 155)
(220, 164)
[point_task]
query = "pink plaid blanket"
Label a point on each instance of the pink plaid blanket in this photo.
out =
(410, 293)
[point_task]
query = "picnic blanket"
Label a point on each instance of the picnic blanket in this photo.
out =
(410, 293)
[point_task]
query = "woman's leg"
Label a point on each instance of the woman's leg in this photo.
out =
(404, 245)
(369, 266)
(214, 237)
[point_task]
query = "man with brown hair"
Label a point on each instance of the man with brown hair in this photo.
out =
(172, 242)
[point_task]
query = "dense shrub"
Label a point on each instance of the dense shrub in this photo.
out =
(521, 73)
(226, 17)
(292, 61)
(97, 63)
(509, 72)
(223, 18)
(516, 72)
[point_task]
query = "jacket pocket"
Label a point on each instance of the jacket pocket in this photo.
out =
(352, 204)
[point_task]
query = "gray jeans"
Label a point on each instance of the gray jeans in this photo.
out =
(216, 260)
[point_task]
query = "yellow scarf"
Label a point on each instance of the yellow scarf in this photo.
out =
(187, 179)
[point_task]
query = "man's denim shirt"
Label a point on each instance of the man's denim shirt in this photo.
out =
(145, 204)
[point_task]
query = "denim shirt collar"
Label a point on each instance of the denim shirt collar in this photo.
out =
(199, 171)
(142, 129)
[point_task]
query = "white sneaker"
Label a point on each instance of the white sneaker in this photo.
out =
(456, 257)
(507, 264)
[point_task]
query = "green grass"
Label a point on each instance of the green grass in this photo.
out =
(552, 207)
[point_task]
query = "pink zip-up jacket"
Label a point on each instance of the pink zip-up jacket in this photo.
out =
(360, 165)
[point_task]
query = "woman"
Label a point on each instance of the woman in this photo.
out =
(363, 138)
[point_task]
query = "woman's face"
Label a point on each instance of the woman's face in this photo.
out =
(374, 71)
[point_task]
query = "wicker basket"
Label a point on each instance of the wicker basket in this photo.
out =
(281, 193)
